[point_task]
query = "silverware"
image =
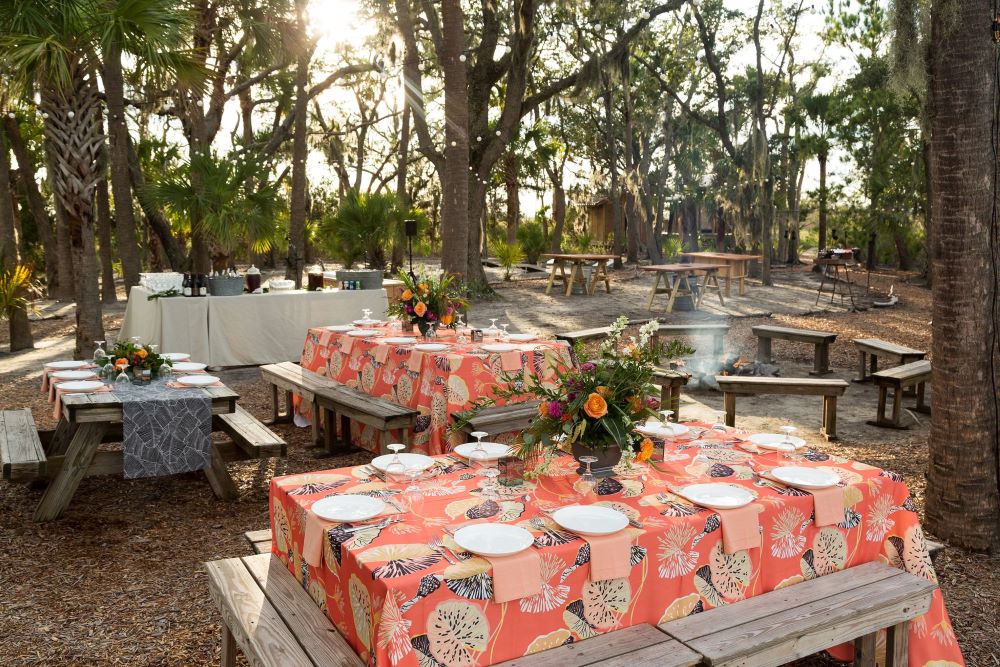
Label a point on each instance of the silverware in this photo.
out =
(450, 550)
(379, 525)
(437, 545)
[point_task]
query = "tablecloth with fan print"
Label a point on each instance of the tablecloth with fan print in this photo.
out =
(399, 603)
(443, 382)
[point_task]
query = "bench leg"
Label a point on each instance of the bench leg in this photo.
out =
(864, 650)
(345, 431)
(763, 350)
(883, 394)
(329, 432)
(228, 658)
(921, 406)
(862, 367)
(821, 360)
(897, 403)
(274, 404)
(79, 454)
(729, 403)
(218, 477)
(317, 414)
(897, 645)
(675, 403)
(830, 417)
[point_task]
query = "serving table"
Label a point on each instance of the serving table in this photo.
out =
(437, 384)
(737, 267)
(399, 602)
(244, 330)
(558, 272)
(677, 281)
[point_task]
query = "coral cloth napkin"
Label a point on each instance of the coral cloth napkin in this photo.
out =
(57, 411)
(517, 576)
(828, 505)
(740, 528)
(381, 353)
(53, 382)
(416, 360)
(312, 545)
(610, 555)
(346, 344)
(511, 361)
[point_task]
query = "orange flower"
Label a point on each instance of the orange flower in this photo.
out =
(142, 353)
(595, 407)
(543, 409)
(420, 308)
(121, 361)
(635, 403)
(406, 295)
(446, 319)
(645, 450)
(422, 288)
(602, 390)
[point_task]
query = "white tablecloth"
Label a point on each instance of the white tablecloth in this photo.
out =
(245, 330)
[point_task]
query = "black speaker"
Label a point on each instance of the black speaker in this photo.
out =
(410, 227)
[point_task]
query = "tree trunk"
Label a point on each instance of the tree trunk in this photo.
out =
(513, 197)
(402, 169)
(300, 152)
(121, 189)
(822, 199)
(108, 293)
(64, 288)
(963, 498)
(558, 214)
(459, 246)
(614, 190)
(902, 251)
(632, 228)
(160, 226)
(20, 329)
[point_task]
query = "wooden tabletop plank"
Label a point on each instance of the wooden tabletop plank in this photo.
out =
(731, 256)
(790, 333)
(885, 346)
(906, 371)
(682, 268)
(595, 650)
(584, 257)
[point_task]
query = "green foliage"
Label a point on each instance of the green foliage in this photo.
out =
(365, 226)
(672, 247)
(16, 286)
(508, 254)
(531, 236)
(582, 242)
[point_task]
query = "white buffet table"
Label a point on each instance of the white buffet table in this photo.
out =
(245, 330)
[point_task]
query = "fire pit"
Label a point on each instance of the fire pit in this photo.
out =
(704, 368)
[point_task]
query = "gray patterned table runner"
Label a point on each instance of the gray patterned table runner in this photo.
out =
(165, 431)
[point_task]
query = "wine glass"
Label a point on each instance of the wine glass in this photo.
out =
(395, 465)
(789, 450)
(505, 335)
(587, 483)
(99, 354)
(460, 329)
(666, 414)
(123, 377)
(479, 435)
(720, 424)
(164, 371)
(366, 315)
(107, 371)
(136, 339)
(492, 330)
(489, 485)
(413, 496)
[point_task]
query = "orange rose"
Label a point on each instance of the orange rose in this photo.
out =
(645, 450)
(420, 308)
(406, 295)
(543, 409)
(422, 288)
(121, 361)
(142, 353)
(635, 403)
(446, 319)
(595, 407)
(602, 390)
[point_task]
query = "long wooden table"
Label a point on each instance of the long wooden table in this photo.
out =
(737, 267)
(90, 419)
(677, 282)
(559, 262)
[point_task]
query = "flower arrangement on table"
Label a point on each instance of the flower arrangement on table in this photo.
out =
(427, 301)
(137, 357)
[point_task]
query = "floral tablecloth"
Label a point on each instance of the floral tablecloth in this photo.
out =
(399, 603)
(439, 384)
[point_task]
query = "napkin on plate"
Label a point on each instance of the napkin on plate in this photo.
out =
(828, 505)
(510, 361)
(57, 412)
(53, 383)
(517, 576)
(610, 555)
(740, 528)
(416, 360)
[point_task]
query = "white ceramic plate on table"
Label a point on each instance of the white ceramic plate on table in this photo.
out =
(590, 519)
(366, 323)
(80, 386)
(188, 366)
(399, 340)
(493, 539)
(348, 508)
(717, 496)
(805, 478)
(73, 375)
(522, 337)
(494, 450)
(662, 430)
(777, 442)
(341, 328)
(197, 380)
(431, 347)
(176, 356)
(65, 365)
(362, 333)
(409, 461)
(499, 347)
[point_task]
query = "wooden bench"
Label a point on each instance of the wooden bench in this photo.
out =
(632, 646)
(915, 374)
(331, 400)
(21, 453)
(733, 386)
(259, 540)
(717, 332)
(875, 348)
(670, 382)
(793, 622)
(255, 439)
(821, 339)
(597, 333)
(512, 418)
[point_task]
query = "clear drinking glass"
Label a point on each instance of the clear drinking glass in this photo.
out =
(413, 496)
(492, 331)
(489, 485)
(123, 377)
(107, 371)
(504, 335)
(790, 452)
(587, 483)
(395, 465)
(479, 435)
(720, 420)
(164, 371)
(366, 315)
(99, 353)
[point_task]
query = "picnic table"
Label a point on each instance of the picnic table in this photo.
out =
(400, 601)
(558, 272)
(677, 279)
(737, 267)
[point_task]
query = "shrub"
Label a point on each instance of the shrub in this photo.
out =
(531, 236)
(672, 247)
(508, 254)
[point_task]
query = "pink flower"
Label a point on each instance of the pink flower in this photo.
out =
(409, 309)
(653, 403)
(555, 409)
(430, 316)
(587, 366)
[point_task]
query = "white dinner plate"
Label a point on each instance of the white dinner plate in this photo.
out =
(348, 508)
(431, 347)
(342, 328)
(493, 539)
(494, 450)
(409, 461)
(366, 323)
(65, 365)
(80, 386)
(717, 496)
(805, 478)
(522, 337)
(73, 375)
(590, 519)
(499, 347)
(776, 442)
(188, 366)
(176, 356)
(362, 333)
(661, 429)
(400, 340)
(197, 380)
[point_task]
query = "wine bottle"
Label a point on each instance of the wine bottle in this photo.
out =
(186, 285)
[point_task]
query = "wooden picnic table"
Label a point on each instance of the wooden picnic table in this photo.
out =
(559, 261)
(737, 267)
(90, 419)
(677, 282)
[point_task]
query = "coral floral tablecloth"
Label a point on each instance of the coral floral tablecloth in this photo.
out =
(437, 383)
(398, 603)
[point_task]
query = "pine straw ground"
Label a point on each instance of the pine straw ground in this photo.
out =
(118, 580)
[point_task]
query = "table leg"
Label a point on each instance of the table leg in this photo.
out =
(729, 403)
(603, 264)
(921, 406)
(573, 274)
(652, 292)
(552, 276)
(862, 367)
(218, 477)
(675, 404)
(864, 650)
(274, 404)
(896, 644)
(718, 288)
(897, 400)
(61, 438)
(830, 417)
(79, 455)
(821, 359)
(228, 657)
(674, 284)
(729, 278)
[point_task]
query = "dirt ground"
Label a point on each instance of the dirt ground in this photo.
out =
(117, 580)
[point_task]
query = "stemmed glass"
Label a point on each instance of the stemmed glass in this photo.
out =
(479, 450)
(413, 496)
(587, 483)
(720, 424)
(107, 371)
(492, 331)
(164, 371)
(489, 486)
(395, 465)
(504, 335)
(99, 354)
(459, 329)
(123, 377)
(136, 339)
(366, 315)
(789, 452)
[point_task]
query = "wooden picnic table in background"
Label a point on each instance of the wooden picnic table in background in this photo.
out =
(559, 261)
(736, 266)
(677, 282)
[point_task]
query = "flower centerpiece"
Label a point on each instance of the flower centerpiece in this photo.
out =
(137, 357)
(427, 301)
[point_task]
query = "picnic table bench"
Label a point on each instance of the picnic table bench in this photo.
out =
(915, 373)
(820, 339)
(334, 400)
(875, 348)
(733, 386)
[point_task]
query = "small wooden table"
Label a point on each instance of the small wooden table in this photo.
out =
(737, 266)
(831, 272)
(90, 419)
(677, 282)
(559, 261)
